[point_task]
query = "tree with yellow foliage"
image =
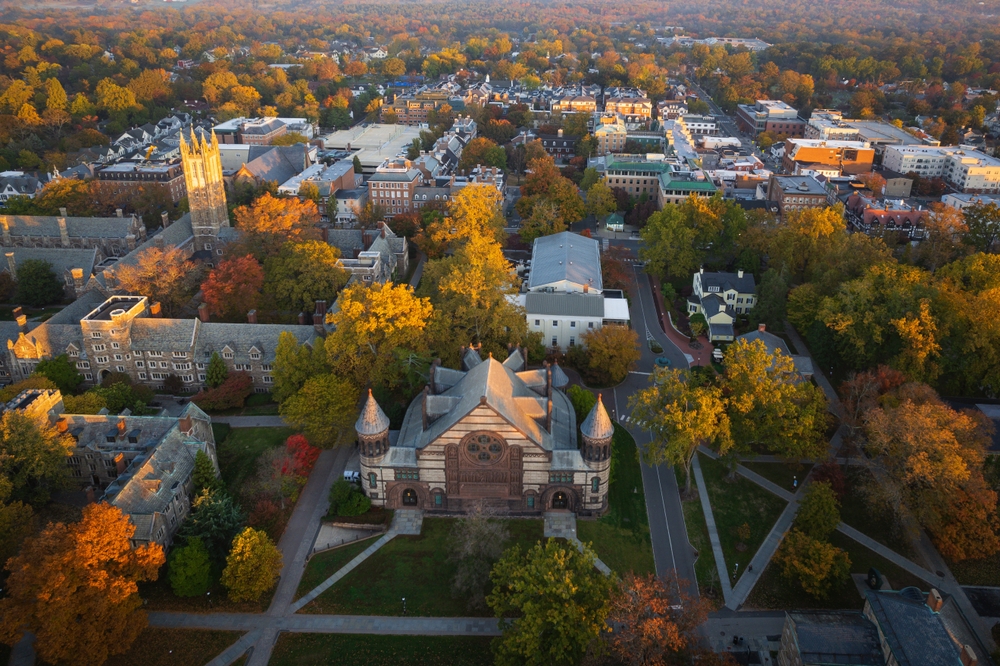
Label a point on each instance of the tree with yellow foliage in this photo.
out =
(372, 322)
(74, 586)
(474, 211)
(160, 274)
(252, 567)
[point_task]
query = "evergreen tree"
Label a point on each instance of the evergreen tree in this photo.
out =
(204, 473)
(217, 371)
(37, 285)
(190, 569)
(215, 519)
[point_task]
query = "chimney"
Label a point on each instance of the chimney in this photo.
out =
(62, 212)
(22, 323)
(559, 132)
(120, 463)
(548, 380)
(17, 312)
(203, 312)
(318, 323)
(968, 656)
(302, 319)
(6, 229)
(164, 219)
(586, 288)
(185, 424)
(423, 406)
(432, 374)
(155, 310)
(321, 307)
(158, 241)
(11, 264)
(77, 279)
(252, 317)
(63, 232)
(934, 600)
(62, 425)
(739, 274)
(119, 213)
(761, 327)
(548, 414)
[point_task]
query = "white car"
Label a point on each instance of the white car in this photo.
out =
(352, 477)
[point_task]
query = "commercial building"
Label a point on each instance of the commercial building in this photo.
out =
(769, 115)
(610, 133)
(696, 125)
(829, 158)
(392, 186)
(261, 131)
(966, 169)
(876, 217)
(667, 182)
(963, 201)
(831, 125)
(793, 193)
(374, 144)
(129, 179)
(671, 109)
(415, 109)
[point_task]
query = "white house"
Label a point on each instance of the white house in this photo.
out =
(720, 297)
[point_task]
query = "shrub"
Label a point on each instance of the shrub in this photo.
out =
(831, 473)
(346, 499)
(583, 401)
(189, 569)
(232, 394)
(173, 384)
(303, 454)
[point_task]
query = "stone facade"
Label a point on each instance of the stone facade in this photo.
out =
(492, 434)
(206, 191)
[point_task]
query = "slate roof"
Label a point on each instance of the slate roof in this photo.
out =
(23, 185)
(279, 163)
(61, 259)
(214, 336)
(504, 392)
(916, 635)
(562, 304)
(346, 240)
(836, 637)
(727, 281)
(152, 334)
(153, 485)
(598, 424)
(565, 256)
(47, 226)
(372, 420)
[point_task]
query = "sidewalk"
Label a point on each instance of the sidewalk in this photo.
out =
(713, 532)
(251, 421)
(702, 356)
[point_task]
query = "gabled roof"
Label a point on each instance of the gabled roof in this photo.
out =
(566, 256)
(727, 281)
(61, 259)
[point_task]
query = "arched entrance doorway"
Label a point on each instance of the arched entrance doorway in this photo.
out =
(105, 374)
(560, 500)
(409, 497)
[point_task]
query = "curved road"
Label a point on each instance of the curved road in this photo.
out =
(671, 550)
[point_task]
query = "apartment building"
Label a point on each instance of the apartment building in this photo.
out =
(415, 109)
(129, 179)
(769, 115)
(671, 109)
(968, 170)
(632, 109)
(574, 104)
(393, 184)
(610, 133)
(696, 125)
(793, 193)
(830, 158)
(666, 182)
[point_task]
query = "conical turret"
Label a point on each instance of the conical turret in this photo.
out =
(372, 421)
(597, 425)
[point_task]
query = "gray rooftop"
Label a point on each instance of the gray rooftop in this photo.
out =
(727, 281)
(562, 304)
(47, 226)
(914, 633)
(800, 185)
(61, 259)
(598, 424)
(372, 420)
(565, 256)
(836, 637)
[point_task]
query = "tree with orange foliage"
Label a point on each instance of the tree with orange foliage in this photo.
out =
(160, 274)
(233, 287)
(269, 222)
(928, 458)
(74, 586)
(860, 392)
(655, 623)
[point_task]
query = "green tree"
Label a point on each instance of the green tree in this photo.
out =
(816, 565)
(819, 511)
(558, 599)
(302, 274)
(11, 391)
(601, 200)
(669, 247)
(205, 474)
(252, 567)
(62, 373)
(357, 166)
(32, 456)
(290, 139)
(16, 521)
(769, 404)
(37, 284)
(583, 401)
(189, 569)
(294, 364)
(215, 519)
(682, 417)
(772, 296)
(324, 409)
(217, 372)
(983, 223)
(590, 176)
(90, 402)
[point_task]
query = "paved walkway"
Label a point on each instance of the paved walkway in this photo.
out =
(702, 355)
(325, 624)
(418, 272)
(562, 525)
(251, 421)
(713, 532)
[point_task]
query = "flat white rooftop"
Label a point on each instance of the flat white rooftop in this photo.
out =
(373, 144)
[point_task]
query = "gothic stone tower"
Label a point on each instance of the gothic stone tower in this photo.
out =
(205, 189)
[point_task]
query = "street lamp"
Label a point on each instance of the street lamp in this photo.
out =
(404, 605)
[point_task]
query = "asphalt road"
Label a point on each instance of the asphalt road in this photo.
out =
(671, 551)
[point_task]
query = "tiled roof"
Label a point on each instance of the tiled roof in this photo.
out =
(916, 635)
(152, 334)
(836, 637)
(61, 259)
(598, 424)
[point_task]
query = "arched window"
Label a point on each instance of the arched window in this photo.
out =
(595, 484)
(590, 452)
(605, 453)
(372, 480)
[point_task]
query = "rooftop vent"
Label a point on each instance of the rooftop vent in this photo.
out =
(118, 312)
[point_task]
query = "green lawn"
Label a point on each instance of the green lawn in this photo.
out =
(773, 591)
(621, 537)
(735, 503)
(157, 595)
(697, 531)
(175, 647)
(783, 474)
(257, 404)
(371, 650)
(872, 522)
(239, 451)
(325, 564)
(415, 567)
